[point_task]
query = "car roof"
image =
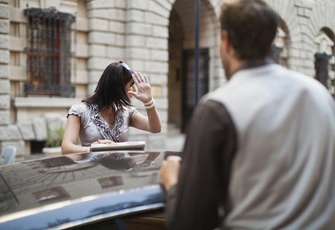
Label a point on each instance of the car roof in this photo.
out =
(73, 189)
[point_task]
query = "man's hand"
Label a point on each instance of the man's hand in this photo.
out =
(169, 171)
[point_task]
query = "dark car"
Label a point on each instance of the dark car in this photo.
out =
(102, 190)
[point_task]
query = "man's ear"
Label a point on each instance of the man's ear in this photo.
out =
(225, 40)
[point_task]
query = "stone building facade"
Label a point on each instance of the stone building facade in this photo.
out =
(154, 37)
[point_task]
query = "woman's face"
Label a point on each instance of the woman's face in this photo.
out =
(130, 87)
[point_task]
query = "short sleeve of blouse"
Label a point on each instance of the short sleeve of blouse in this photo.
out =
(76, 110)
(132, 111)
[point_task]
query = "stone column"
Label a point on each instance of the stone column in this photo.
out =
(9, 134)
(4, 63)
(106, 37)
(146, 51)
(304, 44)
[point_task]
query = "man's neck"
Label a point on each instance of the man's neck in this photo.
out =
(248, 64)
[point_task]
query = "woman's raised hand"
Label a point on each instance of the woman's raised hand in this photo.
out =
(143, 88)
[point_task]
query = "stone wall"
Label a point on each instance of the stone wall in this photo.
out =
(9, 134)
(137, 32)
(37, 129)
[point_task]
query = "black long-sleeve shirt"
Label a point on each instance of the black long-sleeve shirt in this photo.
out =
(205, 170)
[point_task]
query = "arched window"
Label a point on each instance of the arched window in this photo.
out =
(324, 62)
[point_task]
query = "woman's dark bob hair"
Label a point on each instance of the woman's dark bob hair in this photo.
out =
(110, 89)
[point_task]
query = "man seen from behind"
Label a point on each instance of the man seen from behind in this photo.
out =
(260, 150)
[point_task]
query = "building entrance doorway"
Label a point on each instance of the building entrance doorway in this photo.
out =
(188, 83)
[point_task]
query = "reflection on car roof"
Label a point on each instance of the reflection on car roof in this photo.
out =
(70, 189)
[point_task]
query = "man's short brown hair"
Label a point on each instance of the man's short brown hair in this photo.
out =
(251, 27)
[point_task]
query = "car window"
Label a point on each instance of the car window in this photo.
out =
(153, 220)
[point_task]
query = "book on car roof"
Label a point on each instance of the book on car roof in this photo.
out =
(128, 145)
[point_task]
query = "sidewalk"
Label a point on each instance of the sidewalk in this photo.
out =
(175, 142)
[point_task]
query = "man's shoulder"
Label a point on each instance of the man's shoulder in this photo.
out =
(308, 84)
(251, 81)
(212, 103)
(215, 95)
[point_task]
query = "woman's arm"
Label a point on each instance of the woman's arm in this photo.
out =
(71, 134)
(151, 122)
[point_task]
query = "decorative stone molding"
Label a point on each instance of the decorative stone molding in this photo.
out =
(40, 128)
(50, 3)
(26, 130)
(4, 56)
(304, 8)
(10, 133)
(4, 11)
(45, 102)
(19, 145)
(4, 117)
(4, 26)
(4, 86)
(4, 41)
(304, 3)
(4, 102)
(4, 71)
(324, 44)
(55, 121)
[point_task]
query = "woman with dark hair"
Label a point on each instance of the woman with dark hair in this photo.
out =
(107, 114)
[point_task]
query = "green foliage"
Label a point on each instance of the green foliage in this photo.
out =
(55, 138)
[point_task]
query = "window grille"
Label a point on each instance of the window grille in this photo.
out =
(48, 52)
